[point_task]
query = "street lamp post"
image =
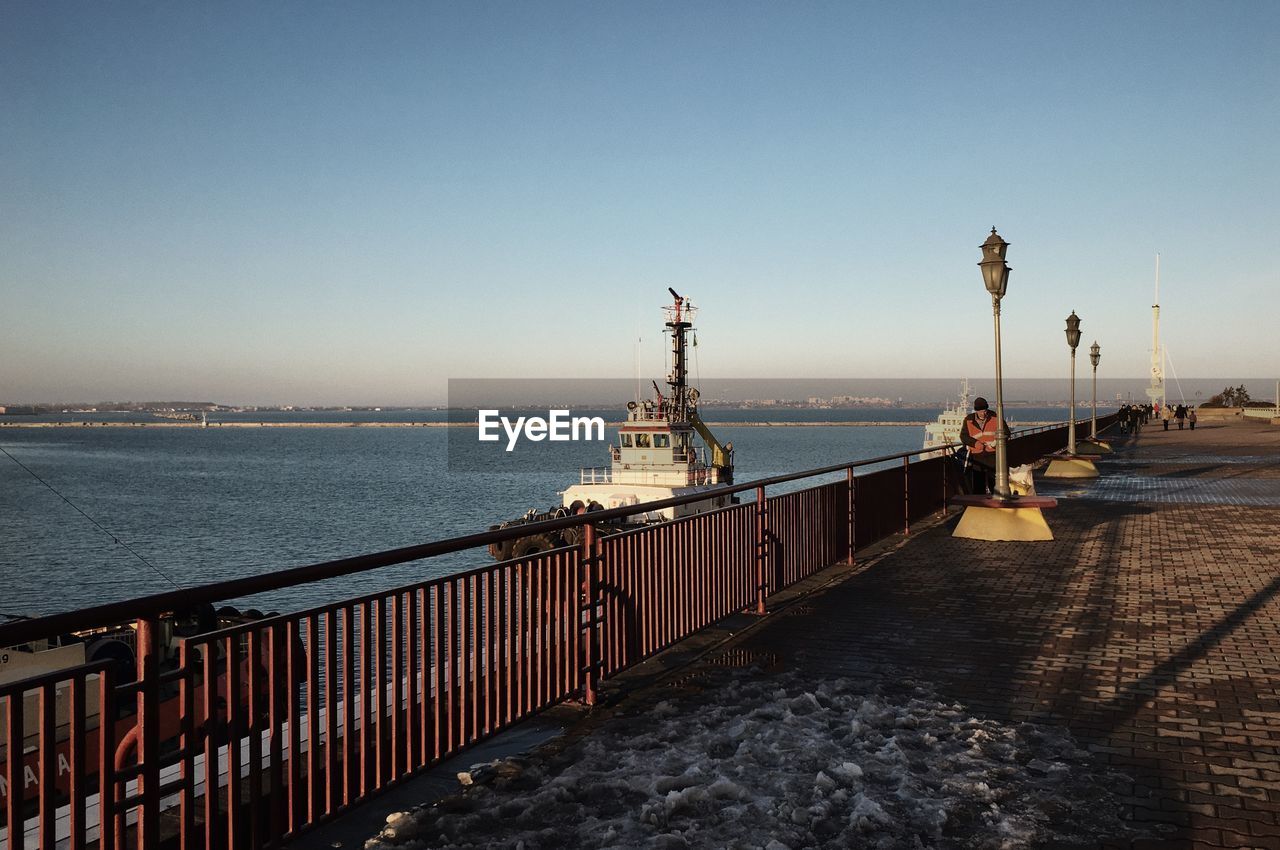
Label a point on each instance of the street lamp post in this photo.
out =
(1095, 354)
(1073, 340)
(995, 276)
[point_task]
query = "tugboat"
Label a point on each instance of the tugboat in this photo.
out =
(657, 457)
(946, 429)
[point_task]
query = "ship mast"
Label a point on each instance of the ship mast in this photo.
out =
(679, 321)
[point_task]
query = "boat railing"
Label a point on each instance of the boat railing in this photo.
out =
(650, 416)
(260, 730)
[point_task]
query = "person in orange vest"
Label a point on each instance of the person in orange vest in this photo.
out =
(979, 436)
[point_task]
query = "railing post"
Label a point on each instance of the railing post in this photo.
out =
(148, 724)
(590, 649)
(946, 461)
(906, 495)
(852, 508)
(762, 548)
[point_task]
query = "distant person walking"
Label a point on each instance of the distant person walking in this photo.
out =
(1181, 415)
(1191, 417)
(979, 436)
(1165, 415)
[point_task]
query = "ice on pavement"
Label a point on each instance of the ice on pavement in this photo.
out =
(774, 762)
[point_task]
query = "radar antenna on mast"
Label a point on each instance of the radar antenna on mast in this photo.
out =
(679, 322)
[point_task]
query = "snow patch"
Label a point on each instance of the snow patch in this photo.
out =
(779, 763)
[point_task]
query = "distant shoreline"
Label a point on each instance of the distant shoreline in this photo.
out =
(215, 425)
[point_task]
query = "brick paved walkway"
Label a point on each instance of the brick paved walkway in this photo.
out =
(1150, 627)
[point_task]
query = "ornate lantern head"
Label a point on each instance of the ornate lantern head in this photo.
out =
(995, 272)
(1073, 330)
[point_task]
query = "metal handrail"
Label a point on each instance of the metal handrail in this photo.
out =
(154, 605)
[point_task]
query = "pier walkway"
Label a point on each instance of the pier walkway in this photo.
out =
(1149, 627)
(1148, 632)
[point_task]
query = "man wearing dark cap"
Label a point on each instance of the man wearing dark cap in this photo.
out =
(979, 435)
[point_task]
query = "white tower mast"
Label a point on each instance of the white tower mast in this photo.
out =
(1155, 392)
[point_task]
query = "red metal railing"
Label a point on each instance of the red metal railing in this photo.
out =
(248, 735)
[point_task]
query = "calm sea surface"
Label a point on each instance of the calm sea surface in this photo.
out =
(206, 505)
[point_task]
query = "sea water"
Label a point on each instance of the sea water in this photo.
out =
(201, 505)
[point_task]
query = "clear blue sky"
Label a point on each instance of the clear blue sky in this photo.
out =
(311, 202)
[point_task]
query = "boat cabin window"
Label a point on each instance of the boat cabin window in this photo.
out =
(661, 441)
(642, 441)
(626, 440)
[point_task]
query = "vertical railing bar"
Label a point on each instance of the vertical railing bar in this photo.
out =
(411, 638)
(186, 743)
(15, 779)
(658, 590)
(568, 649)
(235, 724)
(253, 809)
(350, 774)
(546, 663)
(616, 619)
(279, 683)
(519, 591)
(47, 768)
(148, 721)
(558, 622)
(508, 645)
(573, 621)
(711, 576)
(576, 595)
(536, 659)
(76, 744)
(480, 654)
(396, 722)
(212, 734)
(528, 638)
(331, 702)
(106, 759)
(380, 693)
(297, 664)
(663, 601)
(438, 741)
(711, 599)
(946, 461)
(762, 530)
(424, 651)
(315, 790)
(544, 567)
(471, 658)
(644, 546)
(906, 496)
(680, 580)
(713, 535)
(463, 668)
(494, 655)
(366, 694)
(623, 570)
(449, 677)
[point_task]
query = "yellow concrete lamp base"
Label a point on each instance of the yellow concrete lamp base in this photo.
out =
(1093, 447)
(1070, 466)
(988, 518)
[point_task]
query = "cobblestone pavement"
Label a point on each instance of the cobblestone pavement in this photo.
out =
(1150, 628)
